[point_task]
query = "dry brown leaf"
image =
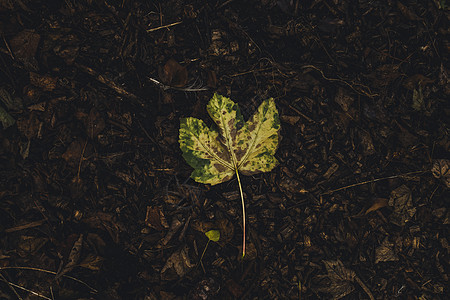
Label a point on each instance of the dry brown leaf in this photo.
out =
(94, 123)
(153, 218)
(377, 204)
(441, 170)
(402, 203)
(74, 257)
(340, 279)
(24, 46)
(179, 262)
(45, 82)
(385, 252)
(173, 74)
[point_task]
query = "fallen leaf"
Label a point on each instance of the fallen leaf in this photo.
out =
(173, 74)
(341, 279)
(92, 262)
(45, 82)
(24, 46)
(377, 204)
(11, 103)
(77, 151)
(247, 148)
(401, 201)
(385, 252)
(30, 126)
(237, 147)
(441, 170)
(73, 258)
(213, 235)
(179, 261)
(153, 218)
(418, 103)
(226, 229)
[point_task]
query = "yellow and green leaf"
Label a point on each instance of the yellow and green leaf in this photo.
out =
(248, 147)
(235, 147)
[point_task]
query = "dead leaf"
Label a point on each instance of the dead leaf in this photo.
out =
(202, 226)
(234, 288)
(77, 151)
(291, 120)
(441, 170)
(418, 103)
(174, 227)
(153, 218)
(401, 201)
(413, 81)
(29, 127)
(173, 74)
(341, 279)
(212, 79)
(366, 142)
(179, 262)
(343, 99)
(385, 252)
(93, 122)
(45, 82)
(377, 204)
(24, 46)
(105, 222)
(92, 262)
(12, 103)
(226, 229)
(73, 258)
(30, 245)
(407, 13)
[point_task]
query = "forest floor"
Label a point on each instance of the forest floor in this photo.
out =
(96, 200)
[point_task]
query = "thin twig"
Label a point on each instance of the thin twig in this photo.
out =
(168, 87)
(108, 82)
(361, 90)
(164, 26)
(10, 286)
(24, 289)
(370, 181)
(50, 272)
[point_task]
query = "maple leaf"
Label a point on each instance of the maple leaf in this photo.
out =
(234, 147)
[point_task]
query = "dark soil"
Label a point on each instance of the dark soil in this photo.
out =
(95, 197)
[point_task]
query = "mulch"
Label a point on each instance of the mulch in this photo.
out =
(96, 201)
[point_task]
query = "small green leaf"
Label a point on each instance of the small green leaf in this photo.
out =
(213, 235)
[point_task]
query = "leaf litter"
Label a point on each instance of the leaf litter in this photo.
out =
(351, 136)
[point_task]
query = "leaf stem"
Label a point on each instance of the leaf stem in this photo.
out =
(243, 212)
